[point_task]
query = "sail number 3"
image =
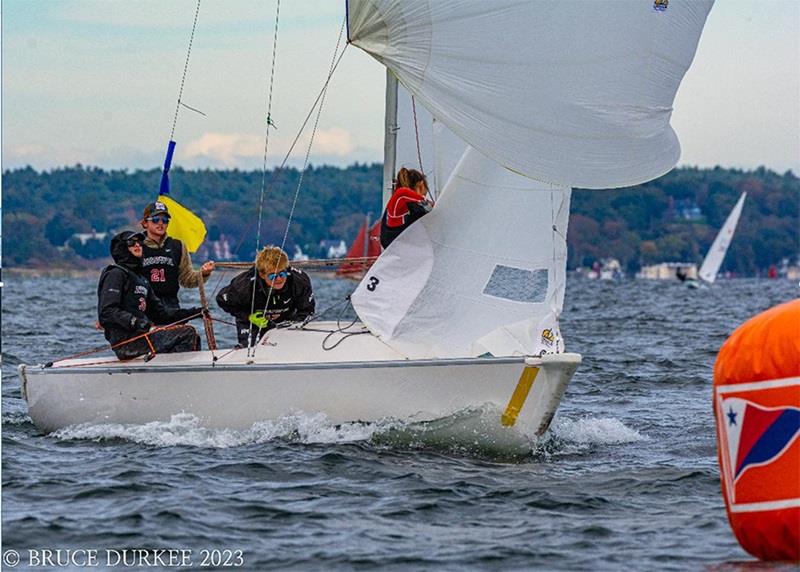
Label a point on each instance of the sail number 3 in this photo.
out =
(373, 283)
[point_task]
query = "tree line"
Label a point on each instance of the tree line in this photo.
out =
(672, 218)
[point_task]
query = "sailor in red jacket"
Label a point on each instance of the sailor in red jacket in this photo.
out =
(408, 203)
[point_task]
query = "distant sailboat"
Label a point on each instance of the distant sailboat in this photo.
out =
(362, 253)
(716, 254)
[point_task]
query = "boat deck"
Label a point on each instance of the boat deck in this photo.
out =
(318, 342)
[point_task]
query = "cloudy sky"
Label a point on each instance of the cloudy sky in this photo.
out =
(96, 82)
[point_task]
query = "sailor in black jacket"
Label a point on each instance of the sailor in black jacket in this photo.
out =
(127, 306)
(282, 294)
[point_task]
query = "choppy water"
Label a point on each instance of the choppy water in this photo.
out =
(626, 478)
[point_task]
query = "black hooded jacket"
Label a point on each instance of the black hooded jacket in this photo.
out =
(293, 302)
(126, 304)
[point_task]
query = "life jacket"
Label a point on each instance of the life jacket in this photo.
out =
(403, 208)
(396, 213)
(161, 268)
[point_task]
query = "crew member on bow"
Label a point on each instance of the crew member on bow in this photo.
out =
(127, 306)
(282, 294)
(408, 203)
(166, 263)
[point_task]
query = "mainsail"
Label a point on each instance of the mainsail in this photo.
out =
(534, 97)
(575, 93)
(716, 254)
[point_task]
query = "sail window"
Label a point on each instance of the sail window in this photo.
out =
(517, 284)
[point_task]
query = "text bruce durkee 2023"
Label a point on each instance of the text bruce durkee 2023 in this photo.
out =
(123, 558)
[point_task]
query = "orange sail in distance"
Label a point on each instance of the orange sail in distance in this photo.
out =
(367, 245)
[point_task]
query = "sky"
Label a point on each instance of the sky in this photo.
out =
(96, 82)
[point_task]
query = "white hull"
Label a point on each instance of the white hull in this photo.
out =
(360, 380)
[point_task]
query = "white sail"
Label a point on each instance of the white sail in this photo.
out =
(576, 93)
(483, 273)
(716, 254)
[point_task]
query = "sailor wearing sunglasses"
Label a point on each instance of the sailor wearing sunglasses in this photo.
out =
(282, 294)
(166, 263)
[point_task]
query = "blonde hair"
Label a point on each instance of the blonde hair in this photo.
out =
(271, 259)
(409, 178)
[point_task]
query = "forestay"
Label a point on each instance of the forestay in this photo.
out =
(483, 273)
(576, 93)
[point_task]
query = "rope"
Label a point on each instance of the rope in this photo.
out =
(145, 335)
(416, 133)
(185, 69)
(340, 330)
(365, 261)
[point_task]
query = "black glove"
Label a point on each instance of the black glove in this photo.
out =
(141, 325)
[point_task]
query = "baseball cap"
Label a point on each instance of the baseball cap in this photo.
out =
(155, 208)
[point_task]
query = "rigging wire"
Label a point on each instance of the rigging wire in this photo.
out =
(337, 57)
(183, 78)
(277, 171)
(264, 162)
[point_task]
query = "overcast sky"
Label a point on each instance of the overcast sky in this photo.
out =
(96, 81)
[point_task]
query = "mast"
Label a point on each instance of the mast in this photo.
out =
(390, 137)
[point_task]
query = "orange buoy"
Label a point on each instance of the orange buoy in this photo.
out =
(757, 408)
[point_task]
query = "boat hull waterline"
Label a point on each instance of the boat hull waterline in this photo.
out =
(236, 391)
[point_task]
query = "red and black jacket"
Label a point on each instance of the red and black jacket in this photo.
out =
(403, 208)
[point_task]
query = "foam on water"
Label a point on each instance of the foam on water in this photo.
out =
(185, 430)
(473, 432)
(16, 418)
(595, 431)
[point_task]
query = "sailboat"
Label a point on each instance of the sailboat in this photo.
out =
(716, 253)
(513, 104)
(362, 253)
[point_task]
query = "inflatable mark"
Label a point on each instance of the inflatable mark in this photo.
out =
(757, 409)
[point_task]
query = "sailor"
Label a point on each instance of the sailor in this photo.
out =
(408, 203)
(166, 263)
(282, 294)
(127, 307)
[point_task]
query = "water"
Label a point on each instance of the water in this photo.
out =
(626, 478)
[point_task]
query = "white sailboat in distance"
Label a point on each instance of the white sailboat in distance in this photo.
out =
(520, 101)
(716, 253)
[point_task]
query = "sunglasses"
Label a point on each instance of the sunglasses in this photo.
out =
(273, 275)
(158, 219)
(133, 242)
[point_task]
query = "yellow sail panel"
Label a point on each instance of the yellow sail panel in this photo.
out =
(184, 224)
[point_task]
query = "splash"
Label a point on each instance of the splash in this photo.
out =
(474, 432)
(185, 430)
(595, 431)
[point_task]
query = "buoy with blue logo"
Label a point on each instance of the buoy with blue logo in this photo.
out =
(757, 408)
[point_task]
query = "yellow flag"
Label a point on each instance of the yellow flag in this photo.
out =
(184, 224)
